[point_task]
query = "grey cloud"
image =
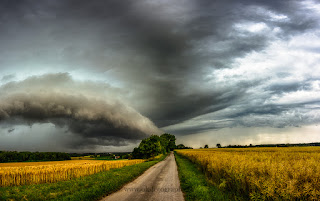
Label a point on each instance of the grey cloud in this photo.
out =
(47, 137)
(288, 87)
(95, 120)
(7, 78)
(160, 52)
(121, 27)
(11, 130)
(273, 117)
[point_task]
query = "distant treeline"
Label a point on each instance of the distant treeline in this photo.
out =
(13, 156)
(273, 145)
(104, 154)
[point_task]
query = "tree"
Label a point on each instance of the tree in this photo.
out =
(168, 141)
(136, 153)
(155, 145)
(150, 147)
(180, 146)
(219, 145)
(206, 146)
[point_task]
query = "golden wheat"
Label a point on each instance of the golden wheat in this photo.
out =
(12, 174)
(262, 173)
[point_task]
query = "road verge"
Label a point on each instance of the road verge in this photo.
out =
(194, 184)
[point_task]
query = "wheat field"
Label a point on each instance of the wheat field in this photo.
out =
(25, 173)
(262, 173)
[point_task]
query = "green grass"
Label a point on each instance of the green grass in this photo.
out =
(92, 187)
(194, 184)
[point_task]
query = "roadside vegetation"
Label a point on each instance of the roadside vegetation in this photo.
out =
(92, 187)
(283, 173)
(194, 184)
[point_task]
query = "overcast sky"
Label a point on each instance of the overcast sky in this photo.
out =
(78, 75)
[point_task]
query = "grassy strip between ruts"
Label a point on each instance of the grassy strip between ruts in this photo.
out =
(92, 187)
(194, 184)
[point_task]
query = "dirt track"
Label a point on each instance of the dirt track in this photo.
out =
(160, 182)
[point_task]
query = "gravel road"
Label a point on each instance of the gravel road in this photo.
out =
(160, 182)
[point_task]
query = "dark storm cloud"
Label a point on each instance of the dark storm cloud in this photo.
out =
(253, 116)
(208, 41)
(47, 99)
(288, 87)
(166, 55)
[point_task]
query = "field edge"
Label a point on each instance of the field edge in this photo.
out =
(91, 187)
(194, 184)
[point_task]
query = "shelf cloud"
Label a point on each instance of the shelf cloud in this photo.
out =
(44, 100)
(125, 69)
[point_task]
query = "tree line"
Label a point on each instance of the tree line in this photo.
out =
(14, 156)
(270, 145)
